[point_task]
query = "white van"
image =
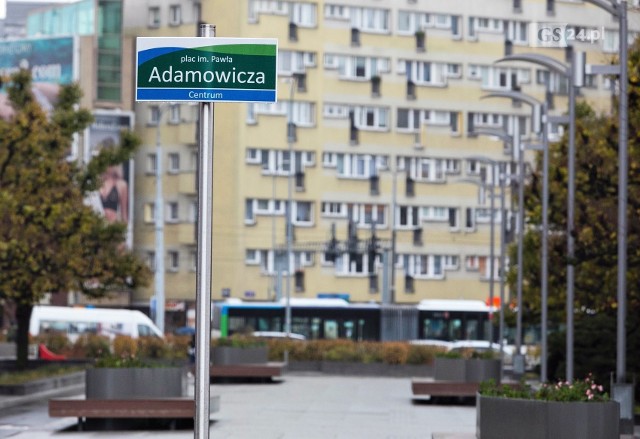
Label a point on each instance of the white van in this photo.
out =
(102, 321)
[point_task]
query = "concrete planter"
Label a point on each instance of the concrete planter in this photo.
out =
(499, 418)
(135, 382)
(361, 369)
(225, 355)
(43, 385)
(473, 370)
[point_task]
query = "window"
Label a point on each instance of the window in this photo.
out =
(334, 209)
(152, 163)
(364, 215)
(174, 162)
(356, 67)
(348, 264)
(435, 213)
(290, 62)
(302, 213)
(149, 212)
(469, 222)
(254, 155)
(173, 212)
(252, 257)
(175, 15)
(359, 165)
(336, 12)
(174, 113)
(329, 159)
(373, 20)
(407, 217)
(150, 258)
(453, 218)
(429, 266)
(303, 14)
(371, 118)
(423, 72)
(303, 113)
(154, 115)
(174, 260)
(193, 258)
(517, 32)
(154, 17)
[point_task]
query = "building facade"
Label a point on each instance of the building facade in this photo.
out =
(372, 136)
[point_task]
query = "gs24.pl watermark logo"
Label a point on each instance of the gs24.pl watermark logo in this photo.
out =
(563, 34)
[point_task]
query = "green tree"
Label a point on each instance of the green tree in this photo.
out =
(596, 221)
(50, 241)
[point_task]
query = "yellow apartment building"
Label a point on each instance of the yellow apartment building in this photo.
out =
(373, 133)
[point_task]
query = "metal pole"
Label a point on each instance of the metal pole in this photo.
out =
(159, 232)
(203, 292)
(274, 281)
(516, 143)
(571, 190)
(392, 263)
(290, 262)
(545, 244)
(492, 251)
(503, 235)
(623, 166)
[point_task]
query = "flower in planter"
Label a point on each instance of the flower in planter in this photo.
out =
(586, 390)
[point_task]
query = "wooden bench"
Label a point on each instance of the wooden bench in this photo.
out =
(425, 387)
(257, 370)
(155, 408)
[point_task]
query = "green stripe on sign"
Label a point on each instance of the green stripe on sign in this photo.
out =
(241, 49)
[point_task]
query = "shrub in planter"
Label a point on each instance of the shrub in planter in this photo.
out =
(91, 346)
(466, 366)
(422, 354)
(55, 342)
(395, 353)
(152, 347)
(124, 346)
(239, 349)
(580, 409)
(129, 378)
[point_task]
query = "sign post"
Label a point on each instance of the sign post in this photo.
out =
(205, 70)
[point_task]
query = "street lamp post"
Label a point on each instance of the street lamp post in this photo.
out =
(619, 10)
(538, 115)
(289, 221)
(482, 184)
(574, 72)
(491, 187)
(503, 135)
(621, 391)
(159, 230)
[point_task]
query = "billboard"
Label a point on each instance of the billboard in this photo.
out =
(114, 199)
(50, 60)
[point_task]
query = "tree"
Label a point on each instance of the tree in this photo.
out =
(596, 222)
(50, 241)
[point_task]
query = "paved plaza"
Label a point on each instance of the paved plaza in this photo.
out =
(298, 407)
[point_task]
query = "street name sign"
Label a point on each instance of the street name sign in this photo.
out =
(206, 69)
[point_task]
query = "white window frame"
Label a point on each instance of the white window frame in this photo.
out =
(153, 17)
(175, 15)
(173, 212)
(174, 260)
(330, 209)
(379, 118)
(294, 213)
(173, 159)
(152, 163)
